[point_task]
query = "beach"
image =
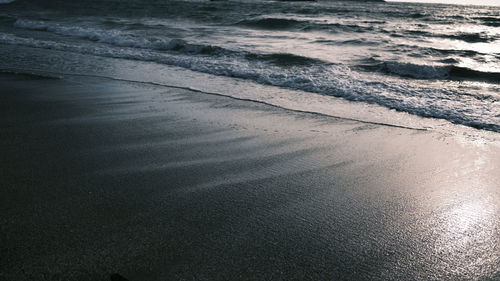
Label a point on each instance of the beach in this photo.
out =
(152, 182)
(153, 140)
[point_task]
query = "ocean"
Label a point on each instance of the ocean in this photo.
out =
(389, 62)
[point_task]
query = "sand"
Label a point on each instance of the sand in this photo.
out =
(157, 183)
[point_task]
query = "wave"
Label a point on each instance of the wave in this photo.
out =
(6, 1)
(406, 69)
(324, 10)
(467, 73)
(119, 38)
(489, 21)
(328, 79)
(472, 37)
(125, 39)
(425, 71)
(357, 42)
(273, 23)
(303, 25)
(479, 37)
(427, 51)
(284, 59)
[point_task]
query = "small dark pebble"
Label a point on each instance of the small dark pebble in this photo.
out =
(117, 277)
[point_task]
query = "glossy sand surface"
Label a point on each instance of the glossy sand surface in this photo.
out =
(100, 176)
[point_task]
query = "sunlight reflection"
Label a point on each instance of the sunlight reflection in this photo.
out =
(467, 222)
(467, 217)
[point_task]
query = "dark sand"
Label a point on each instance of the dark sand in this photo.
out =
(155, 183)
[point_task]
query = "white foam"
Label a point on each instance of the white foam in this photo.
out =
(115, 37)
(332, 80)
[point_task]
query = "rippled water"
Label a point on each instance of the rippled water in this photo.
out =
(440, 61)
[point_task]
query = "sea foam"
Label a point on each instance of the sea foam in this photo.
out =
(328, 79)
(116, 37)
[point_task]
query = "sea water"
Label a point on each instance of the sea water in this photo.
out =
(430, 60)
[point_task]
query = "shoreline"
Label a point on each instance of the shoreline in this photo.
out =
(28, 72)
(296, 100)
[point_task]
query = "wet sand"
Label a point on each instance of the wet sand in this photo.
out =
(157, 183)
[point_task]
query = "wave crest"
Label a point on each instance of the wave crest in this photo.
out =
(124, 39)
(489, 21)
(328, 79)
(272, 23)
(284, 59)
(118, 38)
(419, 71)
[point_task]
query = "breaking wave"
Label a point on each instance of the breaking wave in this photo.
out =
(416, 71)
(125, 39)
(427, 71)
(284, 59)
(328, 79)
(420, 54)
(119, 38)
